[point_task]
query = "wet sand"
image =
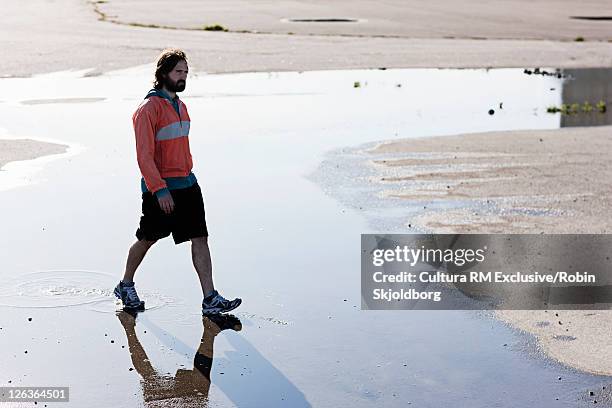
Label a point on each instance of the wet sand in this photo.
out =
(540, 181)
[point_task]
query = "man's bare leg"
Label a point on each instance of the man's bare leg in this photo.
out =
(200, 253)
(135, 256)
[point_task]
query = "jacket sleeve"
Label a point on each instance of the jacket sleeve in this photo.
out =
(144, 130)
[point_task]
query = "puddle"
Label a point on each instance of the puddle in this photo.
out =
(322, 20)
(60, 100)
(593, 18)
(277, 240)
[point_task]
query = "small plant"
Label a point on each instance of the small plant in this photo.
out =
(579, 39)
(357, 84)
(587, 107)
(565, 109)
(575, 108)
(601, 107)
(214, 27)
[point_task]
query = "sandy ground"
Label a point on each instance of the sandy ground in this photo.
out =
(25, 149)
(521, 175)
(552, 181)
(112, 35)
(416, 37)
(471, 19)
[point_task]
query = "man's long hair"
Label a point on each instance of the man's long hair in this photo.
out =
(166, 62)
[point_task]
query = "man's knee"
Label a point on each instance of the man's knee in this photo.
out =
(147, 243)
(199, 241)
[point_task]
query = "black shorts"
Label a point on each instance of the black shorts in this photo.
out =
(185, 222)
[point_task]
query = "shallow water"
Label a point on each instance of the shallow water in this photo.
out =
(277, 240)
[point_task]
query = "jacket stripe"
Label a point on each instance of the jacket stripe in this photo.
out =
(173, 131)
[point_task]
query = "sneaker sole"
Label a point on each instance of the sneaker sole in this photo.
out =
(211, 312)
(140, 307)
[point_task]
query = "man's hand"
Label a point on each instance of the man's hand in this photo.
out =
(166, 203)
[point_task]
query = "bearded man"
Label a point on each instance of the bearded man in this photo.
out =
(172, 200)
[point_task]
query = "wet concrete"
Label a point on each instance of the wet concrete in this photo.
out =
(277, 240)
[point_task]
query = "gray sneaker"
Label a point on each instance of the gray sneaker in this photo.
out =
(215, 304)
(126, 292)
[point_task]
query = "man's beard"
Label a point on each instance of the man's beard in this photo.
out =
(178, 86)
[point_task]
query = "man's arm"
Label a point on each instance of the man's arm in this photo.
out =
(144, 130)
(143, 119)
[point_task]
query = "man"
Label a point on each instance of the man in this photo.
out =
(171, 197)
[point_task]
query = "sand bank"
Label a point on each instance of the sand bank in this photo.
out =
(26, 149)
(549, 181)
(553, 181)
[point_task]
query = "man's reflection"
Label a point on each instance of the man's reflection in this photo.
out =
(187, 386)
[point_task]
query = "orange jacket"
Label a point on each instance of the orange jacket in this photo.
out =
(161, 126)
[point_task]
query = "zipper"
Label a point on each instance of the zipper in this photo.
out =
(178, 111)
(179, 114)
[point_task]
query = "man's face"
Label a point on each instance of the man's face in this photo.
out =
(177, 78)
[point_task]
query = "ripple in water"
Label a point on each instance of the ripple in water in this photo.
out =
(64, 288)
